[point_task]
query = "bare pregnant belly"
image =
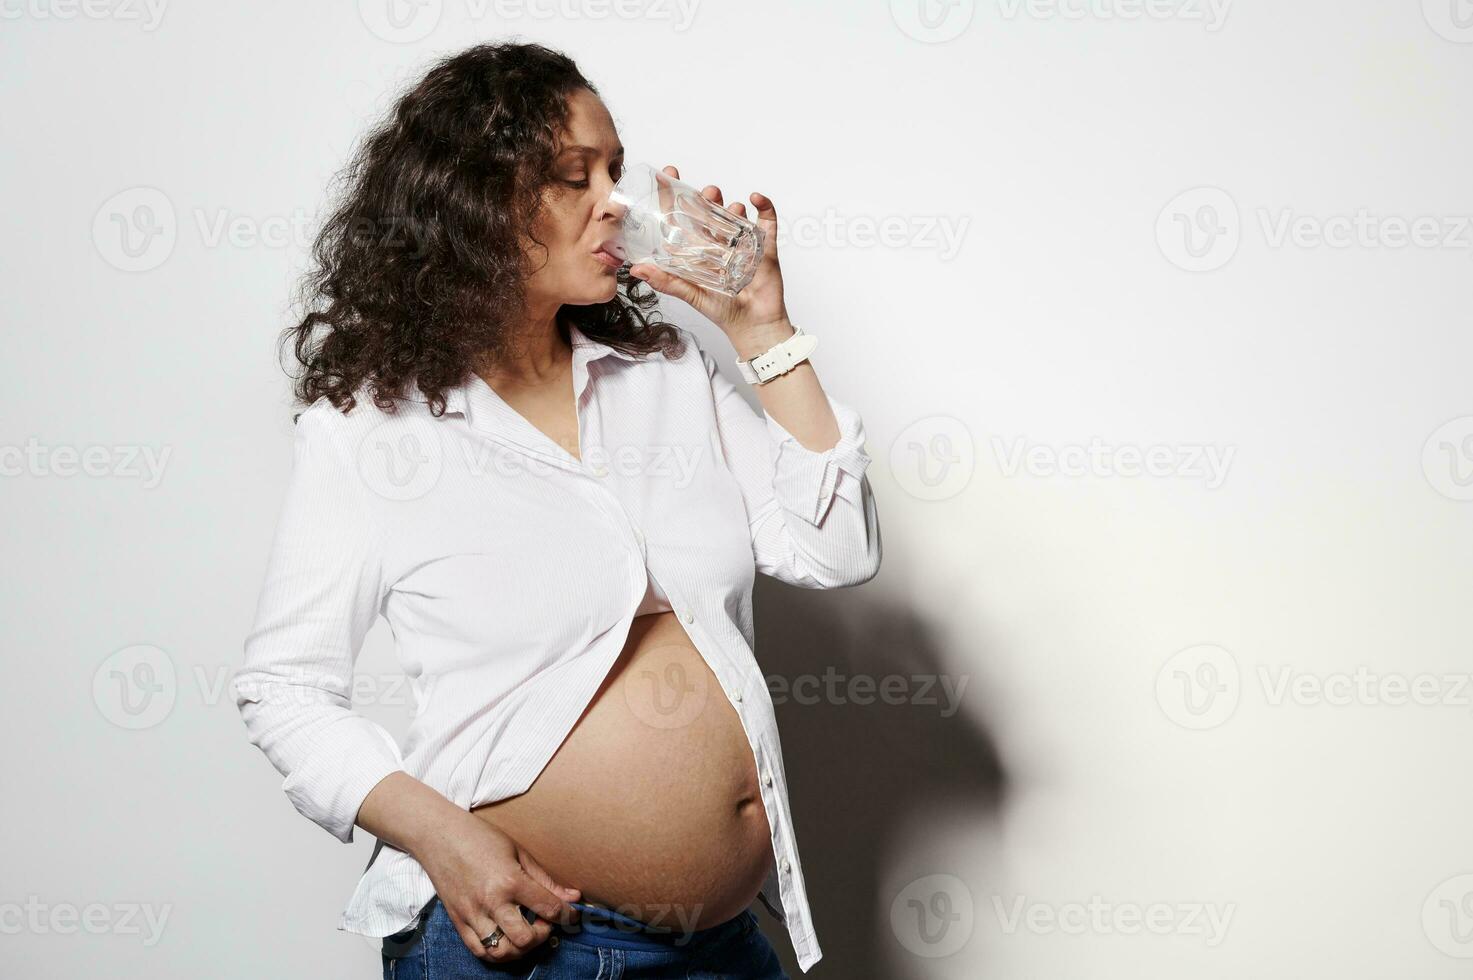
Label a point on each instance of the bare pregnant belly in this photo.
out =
(651, 805)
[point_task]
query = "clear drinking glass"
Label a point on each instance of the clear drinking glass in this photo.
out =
(668, 224)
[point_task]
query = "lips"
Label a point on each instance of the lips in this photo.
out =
(607, 253)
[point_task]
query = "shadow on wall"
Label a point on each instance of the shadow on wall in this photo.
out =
(858, 772)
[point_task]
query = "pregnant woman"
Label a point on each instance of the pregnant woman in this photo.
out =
(559, 505)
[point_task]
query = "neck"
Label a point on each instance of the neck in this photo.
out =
(539, 352)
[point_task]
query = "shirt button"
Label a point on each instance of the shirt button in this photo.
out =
(785, 866)
(767, 780)
(600, 470)
(689, 617)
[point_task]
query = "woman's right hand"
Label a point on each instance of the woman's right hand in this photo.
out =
(481, 877)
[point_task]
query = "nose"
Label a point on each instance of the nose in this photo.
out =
(608, 207)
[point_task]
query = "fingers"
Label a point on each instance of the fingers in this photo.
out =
(565, 893)
(479, 926)
(767, 219)
(536, 896)
(710, 192)
(671, 285)
(507, 905)
(472, 937)
(766, 210)
(517, 933)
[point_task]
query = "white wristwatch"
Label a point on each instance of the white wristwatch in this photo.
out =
(778, 359)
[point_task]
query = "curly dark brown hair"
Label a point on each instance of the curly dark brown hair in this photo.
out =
(418, 273)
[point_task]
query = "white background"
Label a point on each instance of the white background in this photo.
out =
(1005, 378)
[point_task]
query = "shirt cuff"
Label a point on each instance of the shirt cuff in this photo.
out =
(805, 482)
(330, 787)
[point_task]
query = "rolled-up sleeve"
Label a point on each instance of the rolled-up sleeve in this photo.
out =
(323, 588)
(812, 515)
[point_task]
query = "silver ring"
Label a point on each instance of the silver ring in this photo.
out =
(491, 941)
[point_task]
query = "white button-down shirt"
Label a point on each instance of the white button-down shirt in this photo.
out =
(510, 571)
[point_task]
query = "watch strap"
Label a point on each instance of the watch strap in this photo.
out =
(778, 359)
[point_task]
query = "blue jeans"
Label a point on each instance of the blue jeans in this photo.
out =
(598, 947)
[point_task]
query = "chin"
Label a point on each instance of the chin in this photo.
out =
(601, 293)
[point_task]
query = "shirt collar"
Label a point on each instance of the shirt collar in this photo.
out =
(594, 349)
(585, 350)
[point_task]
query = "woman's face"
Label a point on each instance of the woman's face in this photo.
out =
(576, 218)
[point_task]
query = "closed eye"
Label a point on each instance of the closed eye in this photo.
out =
(616, 172)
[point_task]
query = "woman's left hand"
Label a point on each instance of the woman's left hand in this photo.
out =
(759, 306)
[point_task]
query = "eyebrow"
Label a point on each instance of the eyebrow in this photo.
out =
(587, 149)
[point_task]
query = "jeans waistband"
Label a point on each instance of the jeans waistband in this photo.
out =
(599, 926)
(596, 926)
